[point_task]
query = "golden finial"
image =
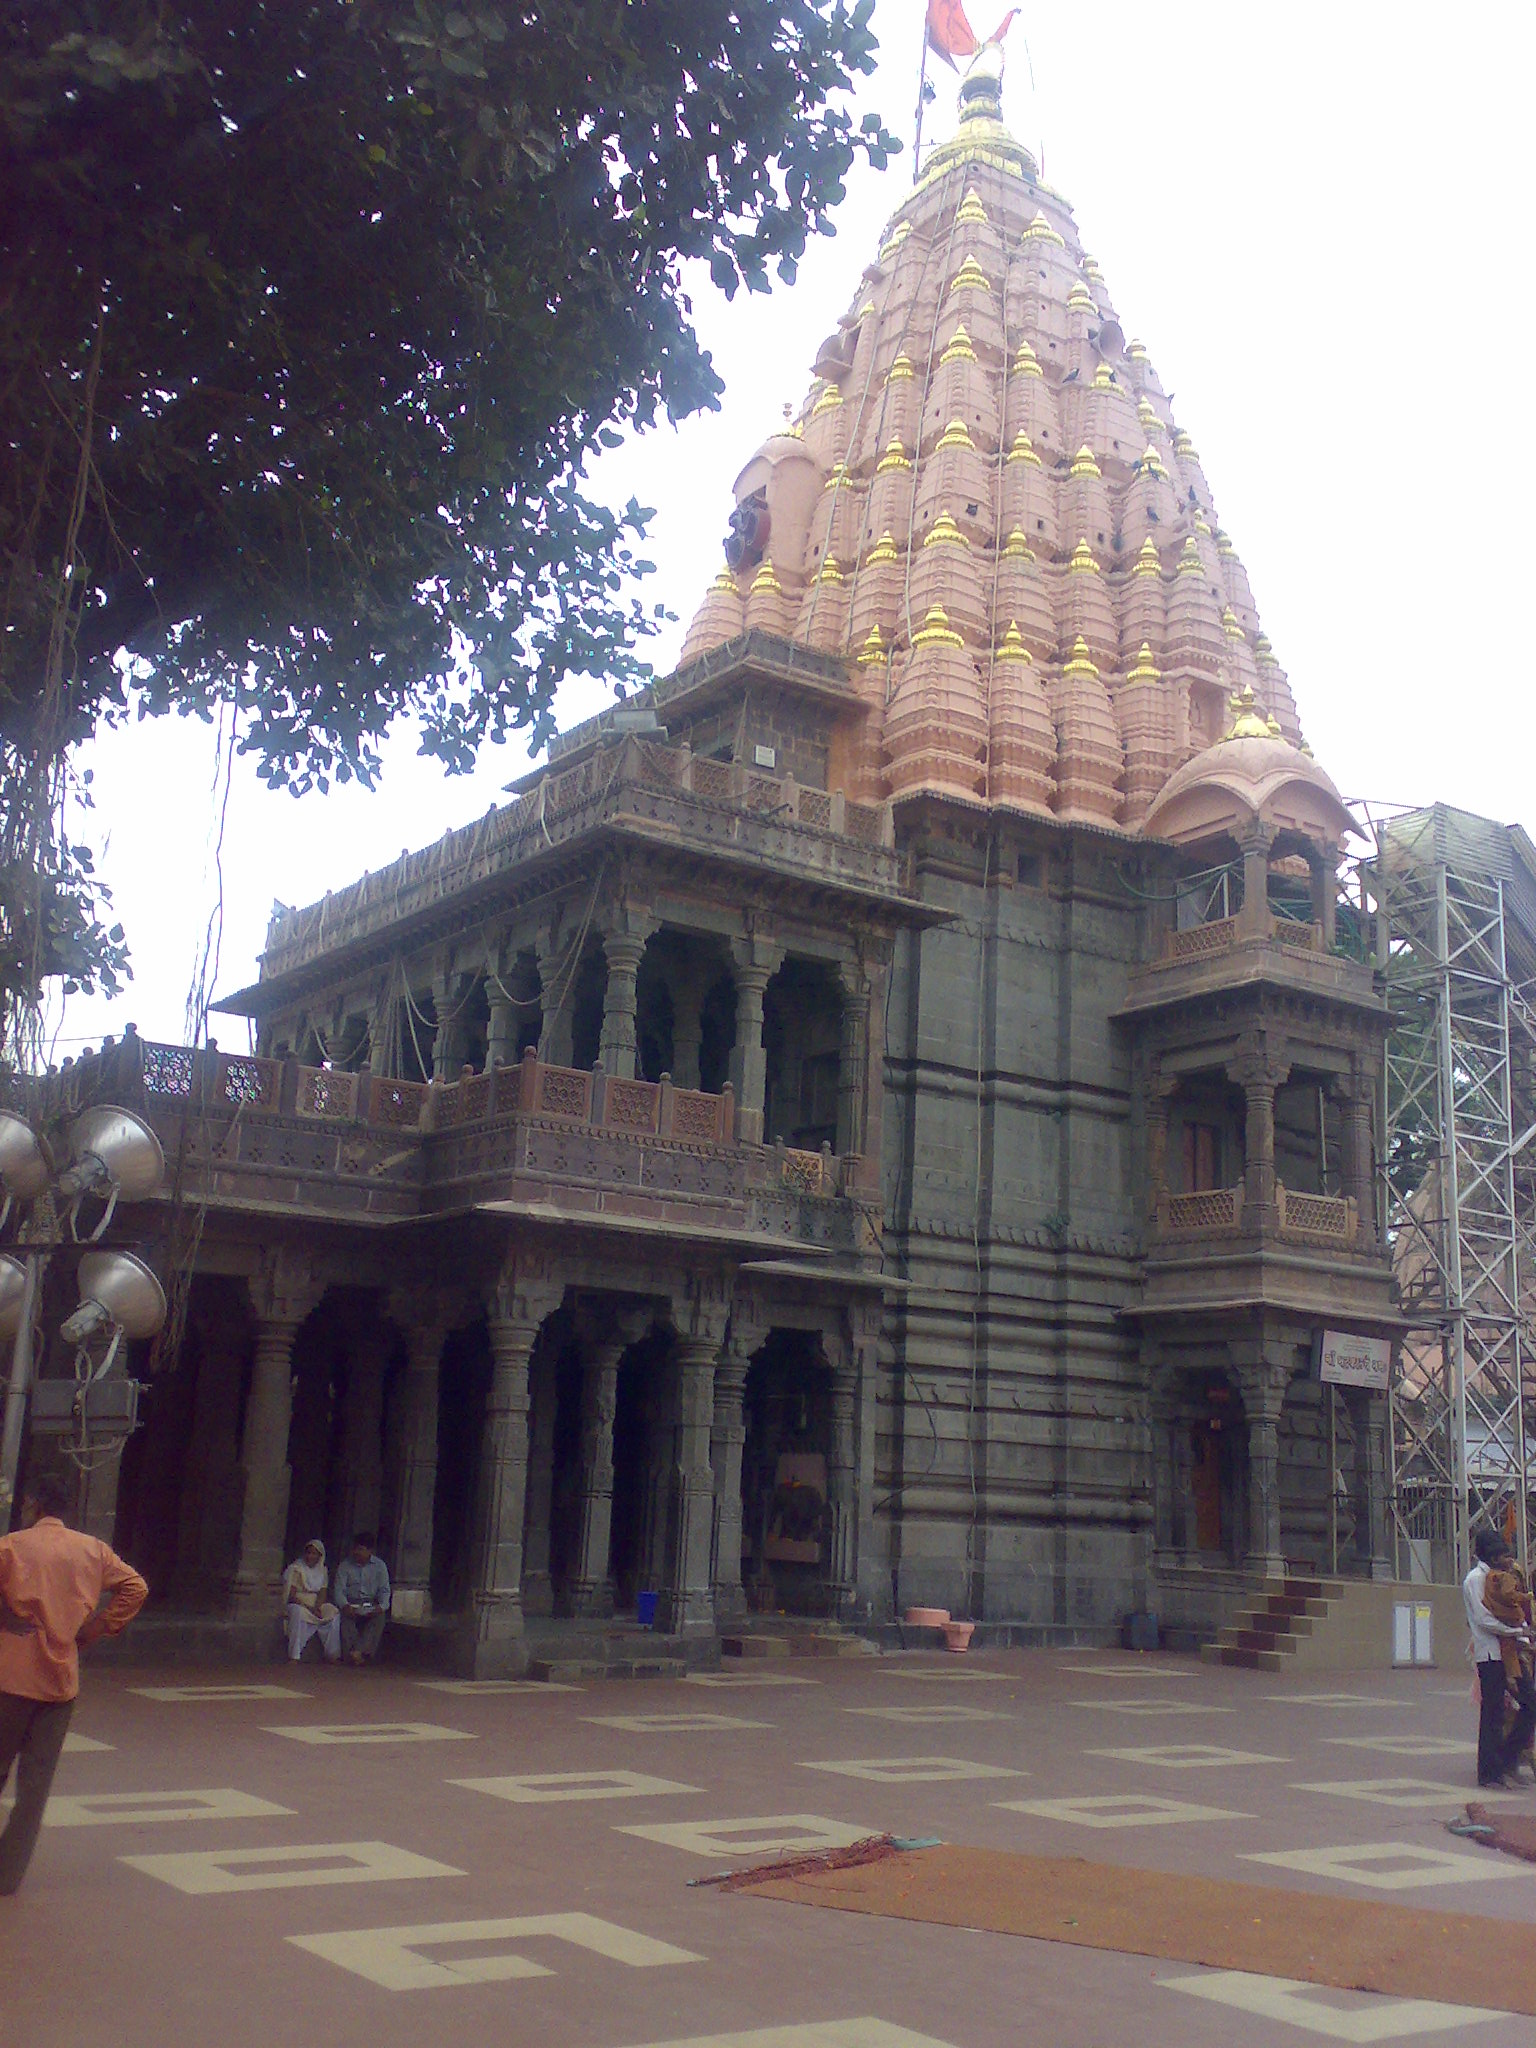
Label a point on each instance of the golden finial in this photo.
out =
(865, 310)
(1263, 653)
(1146, 412)
(1248, 722)
(1305, 749)
(956, 435)
(1026, 363)
(1023, 450)
(1144, 672)
(972, 212)
(837, 476)
(1080, 299)
(1136, 351)
(1224, 545)
(1230, 626)
(1202, 525)
(1092, 271)
(959, 350)
(1084, 463)
(1190, 563)
(829, 572)
(873, 650)
(1040, 230)
(1273, 725)
(884, 549)
(828, 400)
(901, 371)
(895, 457)
(1182, 445)
(766, 580)
(944, 533)
(793, 428)
(1017, 548)
(895, 238)
(1148, 562)
(1152, 463)
(1080, 663)
(1082, 562)
(970, 277)
(936, 630)
(1103, 378)
(1011, 647)
(725, 582)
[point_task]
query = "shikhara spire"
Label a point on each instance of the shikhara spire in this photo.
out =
(986, 504)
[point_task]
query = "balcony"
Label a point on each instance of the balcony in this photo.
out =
(1216, 1250)
(1227, 953)
(266, 1136)
(1328, 1220)
(635, 789)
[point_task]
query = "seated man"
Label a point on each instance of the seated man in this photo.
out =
(361, 1592)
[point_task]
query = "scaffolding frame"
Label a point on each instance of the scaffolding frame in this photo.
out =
(1453, 898)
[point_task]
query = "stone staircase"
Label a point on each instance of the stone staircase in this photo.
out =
(1269, 1632)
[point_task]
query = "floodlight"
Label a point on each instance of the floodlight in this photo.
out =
(13, 1288)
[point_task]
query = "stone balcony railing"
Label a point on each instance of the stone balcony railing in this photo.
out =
(246, 1132)
(643, 786)
(1322, 1220)
(1200, 941)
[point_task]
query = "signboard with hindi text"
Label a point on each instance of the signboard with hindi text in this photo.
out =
(1346, 1361)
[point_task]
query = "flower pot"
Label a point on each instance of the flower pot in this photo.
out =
(926, 1617)
(957, 1635)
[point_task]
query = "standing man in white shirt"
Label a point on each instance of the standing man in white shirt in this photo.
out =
(1496, 1753)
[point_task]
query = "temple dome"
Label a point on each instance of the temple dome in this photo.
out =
(980, 444)
(1254, 776)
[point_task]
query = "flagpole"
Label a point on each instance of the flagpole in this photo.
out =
(922, 94)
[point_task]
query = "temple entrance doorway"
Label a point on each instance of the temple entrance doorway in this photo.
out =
(786, 1522)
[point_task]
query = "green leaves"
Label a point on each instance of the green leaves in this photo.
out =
(373, 282)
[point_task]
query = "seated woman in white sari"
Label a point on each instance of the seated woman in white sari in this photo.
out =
(306, 1611)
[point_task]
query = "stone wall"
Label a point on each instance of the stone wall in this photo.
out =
(1014, 1482)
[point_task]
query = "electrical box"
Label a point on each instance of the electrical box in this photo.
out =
(765, 757)
(1413, 1633)
(110, 1406)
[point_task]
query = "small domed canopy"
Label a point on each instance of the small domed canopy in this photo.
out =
(1252, 777)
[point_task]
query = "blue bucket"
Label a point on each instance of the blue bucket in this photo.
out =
(645, 1610)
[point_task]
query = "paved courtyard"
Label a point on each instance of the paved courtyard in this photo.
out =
(321, 1855)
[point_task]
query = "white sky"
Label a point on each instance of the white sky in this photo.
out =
(1315, 217)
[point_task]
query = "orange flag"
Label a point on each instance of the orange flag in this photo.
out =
(950, 35)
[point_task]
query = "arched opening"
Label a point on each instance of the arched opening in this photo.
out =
(802, 1040)
(786, 1522)
(584, 1004)
(464, 1381)
(642, 1448)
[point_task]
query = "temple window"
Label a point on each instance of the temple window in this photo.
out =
(802, 1037)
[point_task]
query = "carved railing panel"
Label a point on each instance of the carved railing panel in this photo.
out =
(563, 1091)
(631, 1105)
(1302, 938)
(398, 1103)
(1201, 939)
(245, 1079)
(696, 1116)
(325, 1092)
(1331, 1217)
(1209, 1209)
(168, 1069)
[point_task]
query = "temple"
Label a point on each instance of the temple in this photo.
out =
(885, 1115)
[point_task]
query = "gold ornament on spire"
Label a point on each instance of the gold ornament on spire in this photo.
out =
(959, 350)
(972, 212)
(1080, 299)
(1017, 547)
(936, 631)
(828, 400)
(1148, 562)
(1152, 463)
(1190, 563)
(766, 580)
(1248, 722)
(895, 457)
(1023, 450)
(956, 435)
(895, 238)
(1230, 625)
(884, 549)
(970, 277)
(1011, 647)
(1080, 662)
(873, 651)
(1040, 230)
(1084, 462)
(945, 534)
(1082, 562)
(1144, 672)
(1026, 363)
(1104, 378)
(901, 371)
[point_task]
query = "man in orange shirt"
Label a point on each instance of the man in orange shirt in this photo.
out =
(52, 1581)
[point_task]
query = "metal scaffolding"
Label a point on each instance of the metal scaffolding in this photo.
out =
(1454, 903)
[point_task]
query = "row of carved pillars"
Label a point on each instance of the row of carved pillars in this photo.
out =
(754, 963)
(699, 1497)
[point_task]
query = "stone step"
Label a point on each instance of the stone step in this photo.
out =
(580, 1670)
(833, 1645)
(1240, 1659)
(756, 1646)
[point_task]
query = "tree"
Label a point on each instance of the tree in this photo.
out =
(312, 312)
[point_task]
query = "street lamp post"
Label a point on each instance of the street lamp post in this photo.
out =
(111, 1153)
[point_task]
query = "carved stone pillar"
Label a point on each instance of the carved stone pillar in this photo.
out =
(501, 1033)
(556, 972)
(660, 1432)
(842, 1490)
(688, 993)
(448, 1040)
(686, 1606)
(616, 1050)
(726, 1437)
(1324, 893)
(494, 1624)
(592, 1584)
(538, 1591)
(755, 963)
(863, 1323)
(1259, 1071)
(853, 1063)
(1358, 1106)
(282, 1295)
(411, 1570)
(1264, 1373)
(1162, 1423)
(1159, 1094)
(1254, 919)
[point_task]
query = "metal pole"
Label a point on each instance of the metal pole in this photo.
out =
(922, 91)
(16, 1391)
(1333, 1482)
(1450, 1223)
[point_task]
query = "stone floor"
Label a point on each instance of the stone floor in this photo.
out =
(355, 1858)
